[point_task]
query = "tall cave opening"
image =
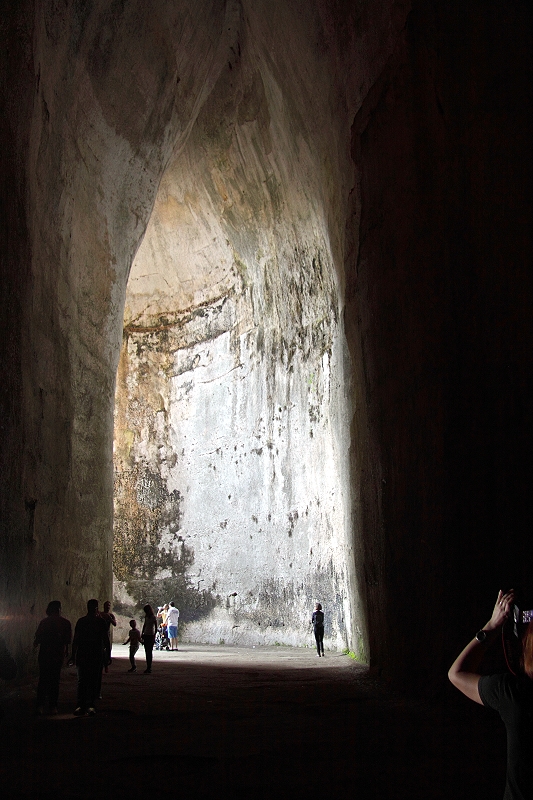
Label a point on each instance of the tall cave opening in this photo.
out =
(232, 491)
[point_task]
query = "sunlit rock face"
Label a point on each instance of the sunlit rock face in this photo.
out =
(232, 492)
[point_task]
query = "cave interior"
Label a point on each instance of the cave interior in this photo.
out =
(322, 211)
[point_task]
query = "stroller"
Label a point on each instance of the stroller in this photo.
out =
(162, 642)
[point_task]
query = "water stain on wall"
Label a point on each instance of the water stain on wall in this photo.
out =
(150, 556)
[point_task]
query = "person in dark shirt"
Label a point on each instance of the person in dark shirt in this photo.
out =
(317, 621)
(109, 619)
(133, 640)
(52, 637)
(89, 649)
(148, 635)
(510, 695)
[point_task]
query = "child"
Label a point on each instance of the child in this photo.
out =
(133, 639)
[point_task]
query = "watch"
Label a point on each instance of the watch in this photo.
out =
(481, 636)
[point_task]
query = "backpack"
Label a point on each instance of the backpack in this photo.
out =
(318, 618)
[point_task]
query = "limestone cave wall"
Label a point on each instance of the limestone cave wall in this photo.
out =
(231, 444)
(438, 314)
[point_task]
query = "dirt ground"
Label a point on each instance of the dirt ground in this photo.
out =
(224, 722)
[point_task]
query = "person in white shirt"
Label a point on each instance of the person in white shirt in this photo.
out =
(172, 623)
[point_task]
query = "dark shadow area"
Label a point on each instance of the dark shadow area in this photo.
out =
(248, 728)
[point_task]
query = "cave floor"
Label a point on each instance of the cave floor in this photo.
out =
(225, 722)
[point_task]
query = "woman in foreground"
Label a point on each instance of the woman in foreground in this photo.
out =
(510, 695)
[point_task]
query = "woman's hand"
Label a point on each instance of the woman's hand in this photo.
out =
(502, 609)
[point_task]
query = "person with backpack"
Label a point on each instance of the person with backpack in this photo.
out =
(317, 621)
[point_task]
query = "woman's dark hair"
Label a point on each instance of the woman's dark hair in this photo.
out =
(53, 607)
(527, 651)
(319, 606)
(148, 610)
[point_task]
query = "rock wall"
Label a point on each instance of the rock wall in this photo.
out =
(231, 445)
(438, 318)
(233, 473)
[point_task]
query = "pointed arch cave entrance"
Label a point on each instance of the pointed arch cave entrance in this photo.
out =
(231, 417)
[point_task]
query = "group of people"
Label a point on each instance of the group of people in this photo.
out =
(509, 693)
(91, 647)
(91, 650)
(169, 616)
(164, 624)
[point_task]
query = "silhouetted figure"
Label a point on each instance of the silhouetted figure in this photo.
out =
(89, 649)
(52, 637)
(172, 625)
(133, 640)
(148, 635)
(317, 621)
(511, 695)
(109, 619)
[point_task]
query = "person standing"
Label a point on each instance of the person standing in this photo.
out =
(52, 637)
(317, 621)
(172, 622)
(89, 649)
(163, 613)
(133, 640)
(511, 695)
(109, 619)
(148, 636)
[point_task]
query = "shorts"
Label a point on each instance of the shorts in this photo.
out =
(172, 631)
